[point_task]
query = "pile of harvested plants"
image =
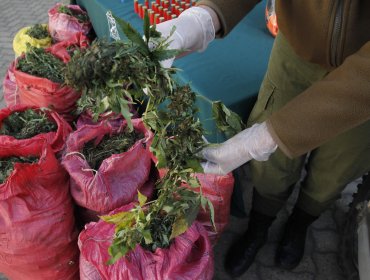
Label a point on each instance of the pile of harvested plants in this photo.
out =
(177, 139)
(109, 145)
(38, 31)
(113, 76)
(26, 124)
(40, 63)
(81, 17)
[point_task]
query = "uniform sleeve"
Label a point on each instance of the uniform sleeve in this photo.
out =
(230, 12)
(335, 104)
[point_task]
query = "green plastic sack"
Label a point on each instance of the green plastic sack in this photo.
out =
(21, 39)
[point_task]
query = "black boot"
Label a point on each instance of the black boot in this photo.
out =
(241, 254)
(291, 248)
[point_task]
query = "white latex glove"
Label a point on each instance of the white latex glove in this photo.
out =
(252, 143)
(194, 31)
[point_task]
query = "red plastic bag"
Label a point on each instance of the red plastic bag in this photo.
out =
(38, 239)
(63, 27)
(10, 89)
(118, 178)
(55, 139)
(190, 256)
(41, 92)
(61, 51)
(218, 189)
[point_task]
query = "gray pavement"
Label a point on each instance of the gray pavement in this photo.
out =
(320, 260)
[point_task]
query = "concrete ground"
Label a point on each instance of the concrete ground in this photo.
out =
(320, 259)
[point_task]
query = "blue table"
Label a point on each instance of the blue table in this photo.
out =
(230, 70)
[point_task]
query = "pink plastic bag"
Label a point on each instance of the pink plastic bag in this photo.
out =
(55, 139)
(63, 27)
(38, 238)
(190, 256)
(61, 49)
(118, 178)
(10, 89)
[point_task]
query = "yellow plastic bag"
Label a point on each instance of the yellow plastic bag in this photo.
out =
(21, 39)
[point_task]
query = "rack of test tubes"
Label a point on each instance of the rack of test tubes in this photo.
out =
(161, 10)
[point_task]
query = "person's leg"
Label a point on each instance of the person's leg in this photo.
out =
(287, 76)
(332, 166)
(329, 169)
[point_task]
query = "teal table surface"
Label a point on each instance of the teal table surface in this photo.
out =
(230, 70)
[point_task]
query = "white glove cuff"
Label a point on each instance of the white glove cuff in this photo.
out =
(266, 146)
(205, 22)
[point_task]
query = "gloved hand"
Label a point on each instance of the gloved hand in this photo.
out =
(194, 31)
(252, 143)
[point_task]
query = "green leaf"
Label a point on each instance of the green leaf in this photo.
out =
(142, 198)
(115, 218)
(125, 111)
(193, 182)
(161, 55)
(192, 213)
(153, 32)
(203, 202)
(147, 236)
(146, 26)
(226, 120)
(179, 226)
(212, 212)
(132, 35)
(168, 209)
(195, 165)
(116, 257)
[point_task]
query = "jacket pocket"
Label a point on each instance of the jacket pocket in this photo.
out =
(265, 102)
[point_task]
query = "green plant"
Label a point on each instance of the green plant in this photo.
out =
(226, 120)
(178, 138)
(171, 115)
(109, 145)
(26, 124)
(116, 75)
(38, 31)
(81, 17)
(38, 62)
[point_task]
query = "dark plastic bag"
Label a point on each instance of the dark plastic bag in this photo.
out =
(38, 238)
(63, 27)
(190, 256)
(55, 139)
(118, 178)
